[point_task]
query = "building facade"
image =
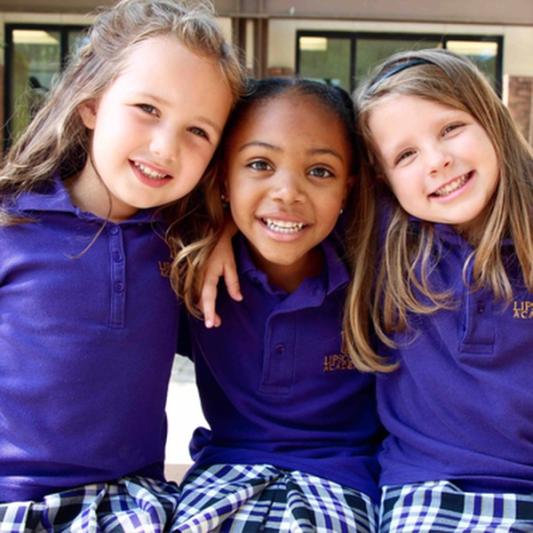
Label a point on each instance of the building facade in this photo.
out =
(338, 41)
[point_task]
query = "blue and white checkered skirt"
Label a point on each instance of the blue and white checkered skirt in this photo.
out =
(439, 506)
(131, 504)
(263, 498)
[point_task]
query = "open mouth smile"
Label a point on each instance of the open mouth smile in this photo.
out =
(453, 185)
(282, 226)
(150, 173)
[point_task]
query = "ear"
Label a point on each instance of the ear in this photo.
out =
(87, 112)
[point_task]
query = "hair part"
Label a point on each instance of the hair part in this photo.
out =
(398, 289)
(188, 277)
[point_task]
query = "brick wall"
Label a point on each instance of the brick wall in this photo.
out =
(520, 103)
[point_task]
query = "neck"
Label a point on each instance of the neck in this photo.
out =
(89, 193)
(290, 277)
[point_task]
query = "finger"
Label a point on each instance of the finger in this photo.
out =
(231, 279)
(208, 298)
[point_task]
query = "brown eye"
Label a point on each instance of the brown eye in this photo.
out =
(148, 109)
(452, 127)
(259, 164)
(321, 172)
(199, 132)
(403, 156)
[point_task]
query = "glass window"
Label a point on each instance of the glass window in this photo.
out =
(369, 52)
(347, 58)
(326, 59)
(34, 57)
(76, 39)
(483, 53)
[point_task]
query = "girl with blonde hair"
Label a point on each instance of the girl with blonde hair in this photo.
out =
(450, 294)
(89, 193)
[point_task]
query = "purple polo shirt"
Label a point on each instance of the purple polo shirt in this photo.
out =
(460, 407)
(274, 385)
(87, 338)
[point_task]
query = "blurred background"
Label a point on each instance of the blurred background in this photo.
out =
(337, 41)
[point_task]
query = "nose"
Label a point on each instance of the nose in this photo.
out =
(438, 159)
(164, 144)
(287, 187)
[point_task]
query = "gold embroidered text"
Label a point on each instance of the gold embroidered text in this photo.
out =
(338, 361)
(522, 309)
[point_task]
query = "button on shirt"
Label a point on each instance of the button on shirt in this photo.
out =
(87, 338)
(274, 385)
(460, 406)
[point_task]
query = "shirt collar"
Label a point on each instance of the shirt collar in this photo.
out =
(53, 196)
(447, 233)
(334, 275)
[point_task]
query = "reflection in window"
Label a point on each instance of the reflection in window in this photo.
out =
(483, 53)
(326, 59)
(346, 58)
(371, 52)
(34, 58)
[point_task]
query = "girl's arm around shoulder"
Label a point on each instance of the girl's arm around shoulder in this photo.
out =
(221, 263)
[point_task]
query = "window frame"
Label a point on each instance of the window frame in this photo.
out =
(443, 39)
(62, 29)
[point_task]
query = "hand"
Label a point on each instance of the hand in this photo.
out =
(221, 263)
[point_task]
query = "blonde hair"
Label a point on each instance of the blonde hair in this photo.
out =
(407, 257)
(57, 140)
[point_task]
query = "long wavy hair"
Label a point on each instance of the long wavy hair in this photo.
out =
(400, 283)
(57, 140)
(192, 260)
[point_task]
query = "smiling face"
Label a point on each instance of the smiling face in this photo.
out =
(154, 130)
(287, 176)
(439, 162)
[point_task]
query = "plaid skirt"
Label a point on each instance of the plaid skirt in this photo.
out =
(131, 504)
(263, 498)
(439, 506)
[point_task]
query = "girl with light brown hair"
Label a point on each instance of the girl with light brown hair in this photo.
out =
(103, 174)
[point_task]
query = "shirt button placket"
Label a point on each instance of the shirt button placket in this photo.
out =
(118, 277)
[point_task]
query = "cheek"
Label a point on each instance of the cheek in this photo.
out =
(238, 185)
(330, 210)
(197, 155)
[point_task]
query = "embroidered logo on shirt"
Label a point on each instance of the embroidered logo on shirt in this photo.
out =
(164, 268)
(522, 309)
(338, 361)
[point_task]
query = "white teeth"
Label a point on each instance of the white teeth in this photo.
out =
(453, 186)
(283, 226)
(149, 172)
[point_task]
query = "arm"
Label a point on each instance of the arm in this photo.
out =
(221, 263)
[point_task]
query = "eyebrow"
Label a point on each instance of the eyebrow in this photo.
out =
(164, 101)
(312, 151)
(259, 144)
(326, 151)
